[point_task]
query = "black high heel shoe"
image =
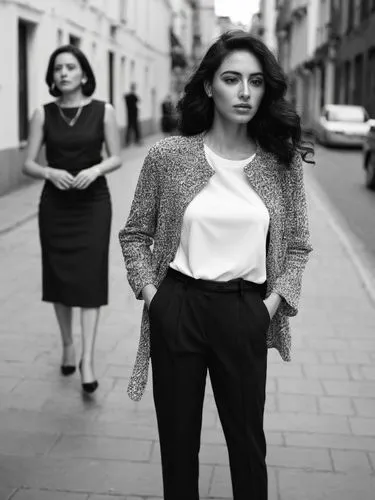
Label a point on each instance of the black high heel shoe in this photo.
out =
(67, 370)
(88, 387)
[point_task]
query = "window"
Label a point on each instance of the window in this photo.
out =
(371, 76)
(358, 79)
(111, 76)
(364, 9)
(335, 24)
(338, 82)
(122, 74)
(23, 84)
(351, 15)
(322, 85)
(347, 82)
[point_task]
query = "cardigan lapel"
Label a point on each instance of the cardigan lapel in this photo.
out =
(258, 171)
(197, 173)
(260, 175)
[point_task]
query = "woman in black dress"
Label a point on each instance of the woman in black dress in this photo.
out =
(75, 205)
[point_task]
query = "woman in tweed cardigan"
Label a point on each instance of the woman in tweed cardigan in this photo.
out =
(233, 105)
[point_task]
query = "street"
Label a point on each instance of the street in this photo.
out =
(320, 412)
(341, 175)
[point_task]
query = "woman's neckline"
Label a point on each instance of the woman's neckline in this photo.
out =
(243, 160)
(251, 156)
(75, 107)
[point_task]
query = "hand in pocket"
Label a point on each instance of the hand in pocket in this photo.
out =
(148, 294)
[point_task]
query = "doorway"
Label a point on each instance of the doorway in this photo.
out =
(111, 76)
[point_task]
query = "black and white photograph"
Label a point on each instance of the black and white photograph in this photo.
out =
(187, 243)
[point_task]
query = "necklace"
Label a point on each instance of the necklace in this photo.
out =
(70, 121)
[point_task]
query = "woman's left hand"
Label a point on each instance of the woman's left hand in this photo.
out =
(85, 178)
(272, 303)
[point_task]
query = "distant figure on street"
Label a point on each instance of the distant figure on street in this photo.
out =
(168, 115)
(75, 205)
(216, 244)
(131, 100)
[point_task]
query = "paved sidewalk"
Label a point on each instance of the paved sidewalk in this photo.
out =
(57, 445)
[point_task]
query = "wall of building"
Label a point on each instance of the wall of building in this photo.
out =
(135, 33)
(182, 24)
(337, 64)
(355, 58)
(182, 27)
(268, 14)
(307, 50)
(208, 25)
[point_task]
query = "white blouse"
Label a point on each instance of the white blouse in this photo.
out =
(225, 227)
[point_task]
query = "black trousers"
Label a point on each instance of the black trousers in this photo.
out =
(133, 127)
(196, 326)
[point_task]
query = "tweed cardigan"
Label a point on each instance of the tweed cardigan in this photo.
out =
(174, 172)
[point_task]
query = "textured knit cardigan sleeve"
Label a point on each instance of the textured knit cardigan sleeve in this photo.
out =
(137, 236)
(289, 283)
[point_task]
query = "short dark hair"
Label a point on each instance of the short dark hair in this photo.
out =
(276, 126)
(88, 88)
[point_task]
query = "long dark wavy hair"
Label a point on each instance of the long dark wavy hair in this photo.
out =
(88, 88)
(276, 126)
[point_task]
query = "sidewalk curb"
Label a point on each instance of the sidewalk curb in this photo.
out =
(20, 222)
(352, 245)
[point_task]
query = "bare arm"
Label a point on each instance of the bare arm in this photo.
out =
(34, 144)
(112, 142)
(113, 162)
(60, 178)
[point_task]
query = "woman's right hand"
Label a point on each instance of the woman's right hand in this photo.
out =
(60, 178)
(148, 293)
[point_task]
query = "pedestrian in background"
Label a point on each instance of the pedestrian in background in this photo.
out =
(223, 207)
(131, 100)
(168, 115)
(75, 206)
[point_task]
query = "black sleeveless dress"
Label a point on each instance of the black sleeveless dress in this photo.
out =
(74, 225)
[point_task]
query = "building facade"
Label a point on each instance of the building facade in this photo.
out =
(225, 23)
(256, 25)
(182, 42)
(327, 48)
(125, 40)
(267, 18)
(194, 27)
(305, 49)
(355, 52)
(206, 28)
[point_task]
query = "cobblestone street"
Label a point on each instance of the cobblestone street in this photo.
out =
(57, 445)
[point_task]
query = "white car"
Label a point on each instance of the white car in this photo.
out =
(343, 125)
